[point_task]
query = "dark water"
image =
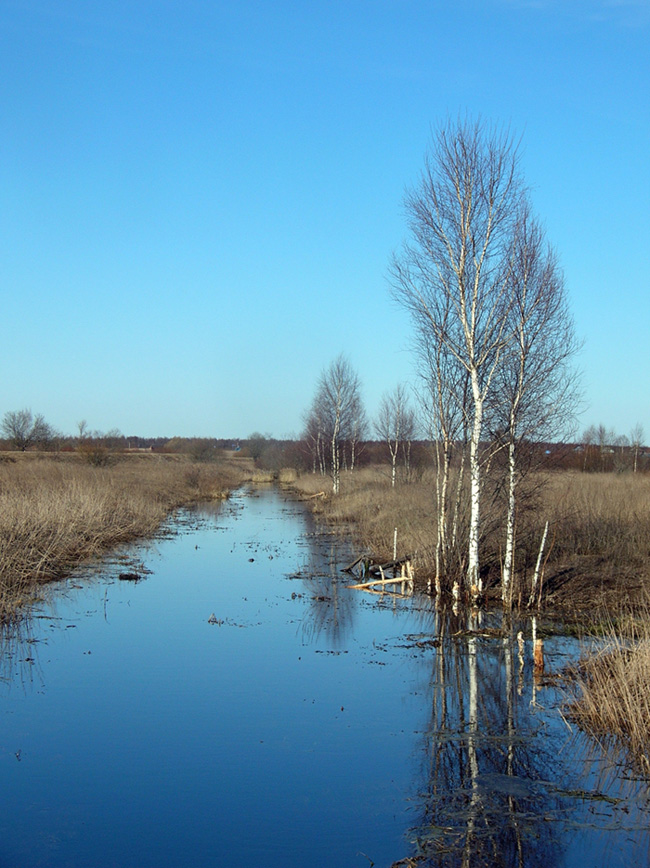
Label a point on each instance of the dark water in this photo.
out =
(310, 727)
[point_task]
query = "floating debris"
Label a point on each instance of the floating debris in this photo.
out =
(129, 577)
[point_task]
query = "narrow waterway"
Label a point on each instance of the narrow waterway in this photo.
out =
(240, 706)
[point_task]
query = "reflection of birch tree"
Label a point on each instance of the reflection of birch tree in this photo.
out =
(330, 607)
(481, 805)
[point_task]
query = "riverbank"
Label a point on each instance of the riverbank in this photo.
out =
(596, 575)
(596, 559)
(57, 511)
(612, 701)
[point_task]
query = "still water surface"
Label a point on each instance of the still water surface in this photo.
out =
(311, 726)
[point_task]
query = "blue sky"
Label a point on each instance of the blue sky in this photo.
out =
(199, 200)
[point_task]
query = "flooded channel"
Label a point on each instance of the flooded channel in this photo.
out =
(239, 706)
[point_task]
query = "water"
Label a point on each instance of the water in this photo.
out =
(311, 725)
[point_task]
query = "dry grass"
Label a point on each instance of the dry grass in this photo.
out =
(613, 695)
(600, 537)
(370, 509)
(55, 514)
(287, 476)
(263, 476)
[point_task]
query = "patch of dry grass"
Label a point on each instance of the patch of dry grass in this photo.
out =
(287, 476)
(601, 514)
(613, 695)
(369, 509)
(55, 514)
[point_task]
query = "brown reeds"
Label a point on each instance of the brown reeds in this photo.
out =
(56, 514)
(612, 681)
(370, 509)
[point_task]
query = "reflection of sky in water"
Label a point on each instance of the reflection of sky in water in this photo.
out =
(302, 730)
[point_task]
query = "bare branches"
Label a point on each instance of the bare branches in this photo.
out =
(494, 336)
(336, 416)
(25, 430)
(454, 277)
(395, 424)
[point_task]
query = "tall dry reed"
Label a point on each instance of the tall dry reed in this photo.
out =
(612, 679)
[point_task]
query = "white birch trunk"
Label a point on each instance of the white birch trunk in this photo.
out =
(533, 590)
(459, 490)
(508, 559)
(474, 581)
(336, 458)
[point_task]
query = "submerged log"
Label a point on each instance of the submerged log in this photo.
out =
(355, 563)
(394, 581)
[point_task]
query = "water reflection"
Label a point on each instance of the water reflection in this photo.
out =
(330, 611)
(19, 664)
(502, 784)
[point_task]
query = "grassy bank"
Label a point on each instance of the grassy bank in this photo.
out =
(58, 513)
(598, 548)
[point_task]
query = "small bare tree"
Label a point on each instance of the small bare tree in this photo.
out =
(82, 428)
(637, 435)
(314, 437)
(338, 405)
(358, 429)
(394, 424)
(25, 430)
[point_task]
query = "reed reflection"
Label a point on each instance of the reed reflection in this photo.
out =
(19, 661)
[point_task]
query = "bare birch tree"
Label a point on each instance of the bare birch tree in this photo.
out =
(444, 395)
(535, 390)
(637, 435)
(454, 276)
(358, 429)
(394, 423)
(338, 399)
(314, 436)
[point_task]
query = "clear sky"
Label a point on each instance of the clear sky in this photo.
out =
(199, 198)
